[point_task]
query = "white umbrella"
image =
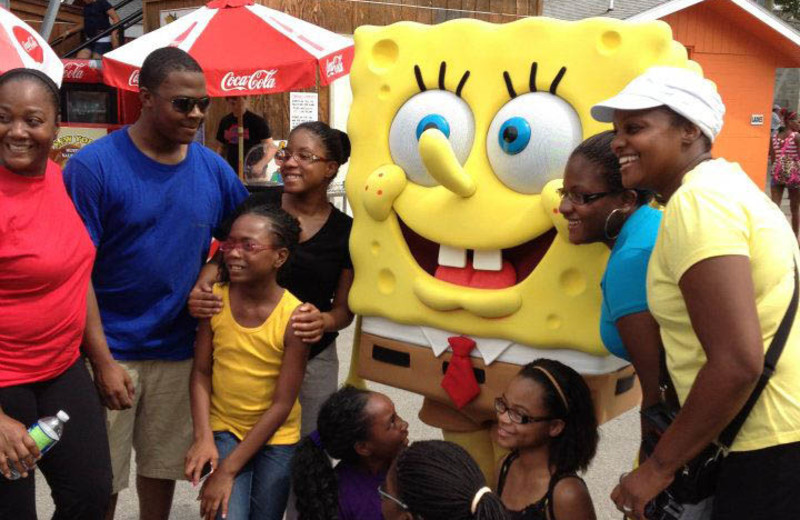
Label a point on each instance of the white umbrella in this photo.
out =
(22, 46)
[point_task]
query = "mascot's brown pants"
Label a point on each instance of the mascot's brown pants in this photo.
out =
(417, 369)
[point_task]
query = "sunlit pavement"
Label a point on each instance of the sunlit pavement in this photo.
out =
(618, 443)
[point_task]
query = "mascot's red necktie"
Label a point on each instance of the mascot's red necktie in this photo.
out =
(459, 381)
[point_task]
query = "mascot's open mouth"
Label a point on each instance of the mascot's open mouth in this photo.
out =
(515, 264)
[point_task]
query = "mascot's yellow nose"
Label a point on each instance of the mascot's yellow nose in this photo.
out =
(442, 164)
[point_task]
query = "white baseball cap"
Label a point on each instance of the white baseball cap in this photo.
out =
(683, 90)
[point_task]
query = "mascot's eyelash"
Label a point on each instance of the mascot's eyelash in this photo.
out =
(442, 73)
(532, 81)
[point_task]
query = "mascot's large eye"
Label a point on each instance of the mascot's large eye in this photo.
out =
(530, 140)
(430, 109)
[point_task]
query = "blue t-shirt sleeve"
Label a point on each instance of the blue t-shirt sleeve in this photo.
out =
(85, 187)
(626, 283)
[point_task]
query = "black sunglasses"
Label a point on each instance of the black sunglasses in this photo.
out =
(185, 105)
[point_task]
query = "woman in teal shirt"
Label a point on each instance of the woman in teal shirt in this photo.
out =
(598, 208)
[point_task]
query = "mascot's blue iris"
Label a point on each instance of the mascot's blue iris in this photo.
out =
(514, 135)
(433, 121)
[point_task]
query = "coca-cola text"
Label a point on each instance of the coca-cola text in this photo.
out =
(74, 70)
(258, 80)
(334, 66)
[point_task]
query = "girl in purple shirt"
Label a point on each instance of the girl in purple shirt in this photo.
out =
(362, 430)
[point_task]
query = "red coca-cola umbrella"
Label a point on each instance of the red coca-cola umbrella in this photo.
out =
(21, 46)
(244, 48)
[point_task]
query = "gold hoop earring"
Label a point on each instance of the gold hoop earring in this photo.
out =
(608, 235)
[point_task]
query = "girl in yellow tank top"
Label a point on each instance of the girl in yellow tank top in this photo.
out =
(247, 371)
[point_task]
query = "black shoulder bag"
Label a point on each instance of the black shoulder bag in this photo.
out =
(697, 480)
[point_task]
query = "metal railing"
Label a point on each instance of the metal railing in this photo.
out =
(123, 24)
(79, 27)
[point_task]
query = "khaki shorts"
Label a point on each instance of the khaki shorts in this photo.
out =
(158, 426)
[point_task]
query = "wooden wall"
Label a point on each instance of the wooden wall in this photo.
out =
(739, 56)
(32, 12)
(343, 16)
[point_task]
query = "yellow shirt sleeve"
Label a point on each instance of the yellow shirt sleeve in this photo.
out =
(701, 223)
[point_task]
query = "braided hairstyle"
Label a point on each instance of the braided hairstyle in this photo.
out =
(341, 424)
(439, 479)
(575, 447)
(284, 227)
(597, 150)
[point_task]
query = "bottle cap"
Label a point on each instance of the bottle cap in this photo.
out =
(62, 416)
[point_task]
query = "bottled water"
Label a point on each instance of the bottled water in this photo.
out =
(46, 432)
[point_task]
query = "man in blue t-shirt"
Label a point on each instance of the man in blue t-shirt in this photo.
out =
(150, 199)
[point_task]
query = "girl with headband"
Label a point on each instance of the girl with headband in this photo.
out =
(546, 418)
(437, 479)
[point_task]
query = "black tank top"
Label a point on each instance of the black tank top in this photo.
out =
(539, 510)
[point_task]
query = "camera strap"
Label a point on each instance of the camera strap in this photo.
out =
(770, 360)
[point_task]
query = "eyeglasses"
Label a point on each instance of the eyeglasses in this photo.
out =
(501, 407)
(386, 495)
(245, 245)
(581, 199)
(185, 104)
(303, 157)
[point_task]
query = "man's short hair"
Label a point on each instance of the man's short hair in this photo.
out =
(161, 62)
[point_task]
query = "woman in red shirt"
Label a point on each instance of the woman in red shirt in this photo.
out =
(46, 261)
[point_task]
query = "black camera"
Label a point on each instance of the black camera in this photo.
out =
(663, 507)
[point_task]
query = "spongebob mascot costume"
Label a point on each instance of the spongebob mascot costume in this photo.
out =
(463, 270)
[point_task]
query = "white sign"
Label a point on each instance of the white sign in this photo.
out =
(166, 16)
(757, 119)
(303, 107)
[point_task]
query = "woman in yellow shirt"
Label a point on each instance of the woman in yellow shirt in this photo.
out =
(246, 376)
(719, 282)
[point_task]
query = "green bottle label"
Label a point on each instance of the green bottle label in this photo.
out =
(42, 440)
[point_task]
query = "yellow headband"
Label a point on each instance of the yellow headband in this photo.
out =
(555, 385)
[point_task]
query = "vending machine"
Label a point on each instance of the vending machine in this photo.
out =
(90, 109)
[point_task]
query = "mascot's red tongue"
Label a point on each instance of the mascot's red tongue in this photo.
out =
(470, 277)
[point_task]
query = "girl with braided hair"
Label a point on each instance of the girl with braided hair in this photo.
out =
(362, 430)
(246, 375)
(434, 480)
(546, 418)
